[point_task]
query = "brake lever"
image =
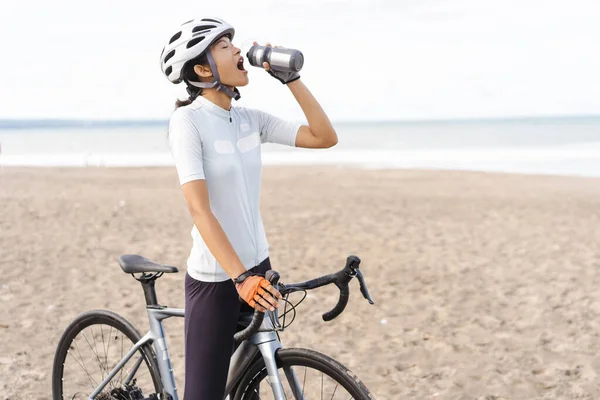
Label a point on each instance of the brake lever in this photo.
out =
(273, 277)
(274, 316)
(363, 286)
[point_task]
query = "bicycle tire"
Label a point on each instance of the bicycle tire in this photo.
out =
(94, 317)
(303, 357)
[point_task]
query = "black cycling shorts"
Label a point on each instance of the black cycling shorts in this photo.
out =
(211, 313)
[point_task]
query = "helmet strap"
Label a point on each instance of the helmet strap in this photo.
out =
(216, 83)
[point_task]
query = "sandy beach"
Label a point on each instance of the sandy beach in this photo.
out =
(486, 286)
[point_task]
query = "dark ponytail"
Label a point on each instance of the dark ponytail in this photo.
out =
(188, 74)
(193, 91)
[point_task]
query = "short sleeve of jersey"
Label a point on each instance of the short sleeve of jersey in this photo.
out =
(186, 148)
(276, 130)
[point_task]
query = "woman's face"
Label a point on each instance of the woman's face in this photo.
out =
(229, 63)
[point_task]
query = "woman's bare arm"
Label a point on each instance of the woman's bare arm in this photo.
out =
(319, 132)
(196, 197)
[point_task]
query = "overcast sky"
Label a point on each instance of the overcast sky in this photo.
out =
(365, 60)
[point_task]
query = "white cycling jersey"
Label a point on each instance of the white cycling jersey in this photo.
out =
(223, 147)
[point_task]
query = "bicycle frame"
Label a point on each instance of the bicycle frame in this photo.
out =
(264, 342)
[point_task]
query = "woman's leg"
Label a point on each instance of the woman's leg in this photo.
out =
(211, 314)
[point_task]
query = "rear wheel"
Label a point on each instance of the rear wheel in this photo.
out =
(305, 374)
(91, 346)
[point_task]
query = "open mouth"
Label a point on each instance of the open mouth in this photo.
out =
(240, 64)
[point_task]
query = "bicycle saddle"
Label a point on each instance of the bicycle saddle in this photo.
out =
(132, 263)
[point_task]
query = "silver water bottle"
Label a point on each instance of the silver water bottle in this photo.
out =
(279, 58)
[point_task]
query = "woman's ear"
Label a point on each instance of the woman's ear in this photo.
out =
(203, 71)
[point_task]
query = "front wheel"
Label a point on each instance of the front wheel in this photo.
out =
(304, 374)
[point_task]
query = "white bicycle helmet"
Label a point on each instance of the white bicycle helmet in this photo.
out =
(194, 38)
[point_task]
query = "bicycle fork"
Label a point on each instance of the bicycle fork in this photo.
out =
(268, 344)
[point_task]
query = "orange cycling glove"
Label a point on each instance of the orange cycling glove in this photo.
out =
(253, 290)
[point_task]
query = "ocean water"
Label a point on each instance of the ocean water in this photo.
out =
(560, 146)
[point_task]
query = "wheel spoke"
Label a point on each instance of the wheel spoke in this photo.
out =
(95, 349)
(103, 368)
(107, 346)
(92, 381)
(321, 386)
(112, 385)
(103, 344)
(304, 383)
(121, 371)
(96, 354)
(80, 384)
(334, 389)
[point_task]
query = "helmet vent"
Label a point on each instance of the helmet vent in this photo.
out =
(170, 55)
(210, 20)
(169, 70)
(175, 37)
(201, 32)
(194, 42)
(202, 27)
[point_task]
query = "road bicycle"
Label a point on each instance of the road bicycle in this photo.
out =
(102, 356)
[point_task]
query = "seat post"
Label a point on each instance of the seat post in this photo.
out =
(149, 291)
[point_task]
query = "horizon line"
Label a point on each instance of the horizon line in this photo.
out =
(24, 123)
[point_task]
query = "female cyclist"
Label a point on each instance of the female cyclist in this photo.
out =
(216, 148)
